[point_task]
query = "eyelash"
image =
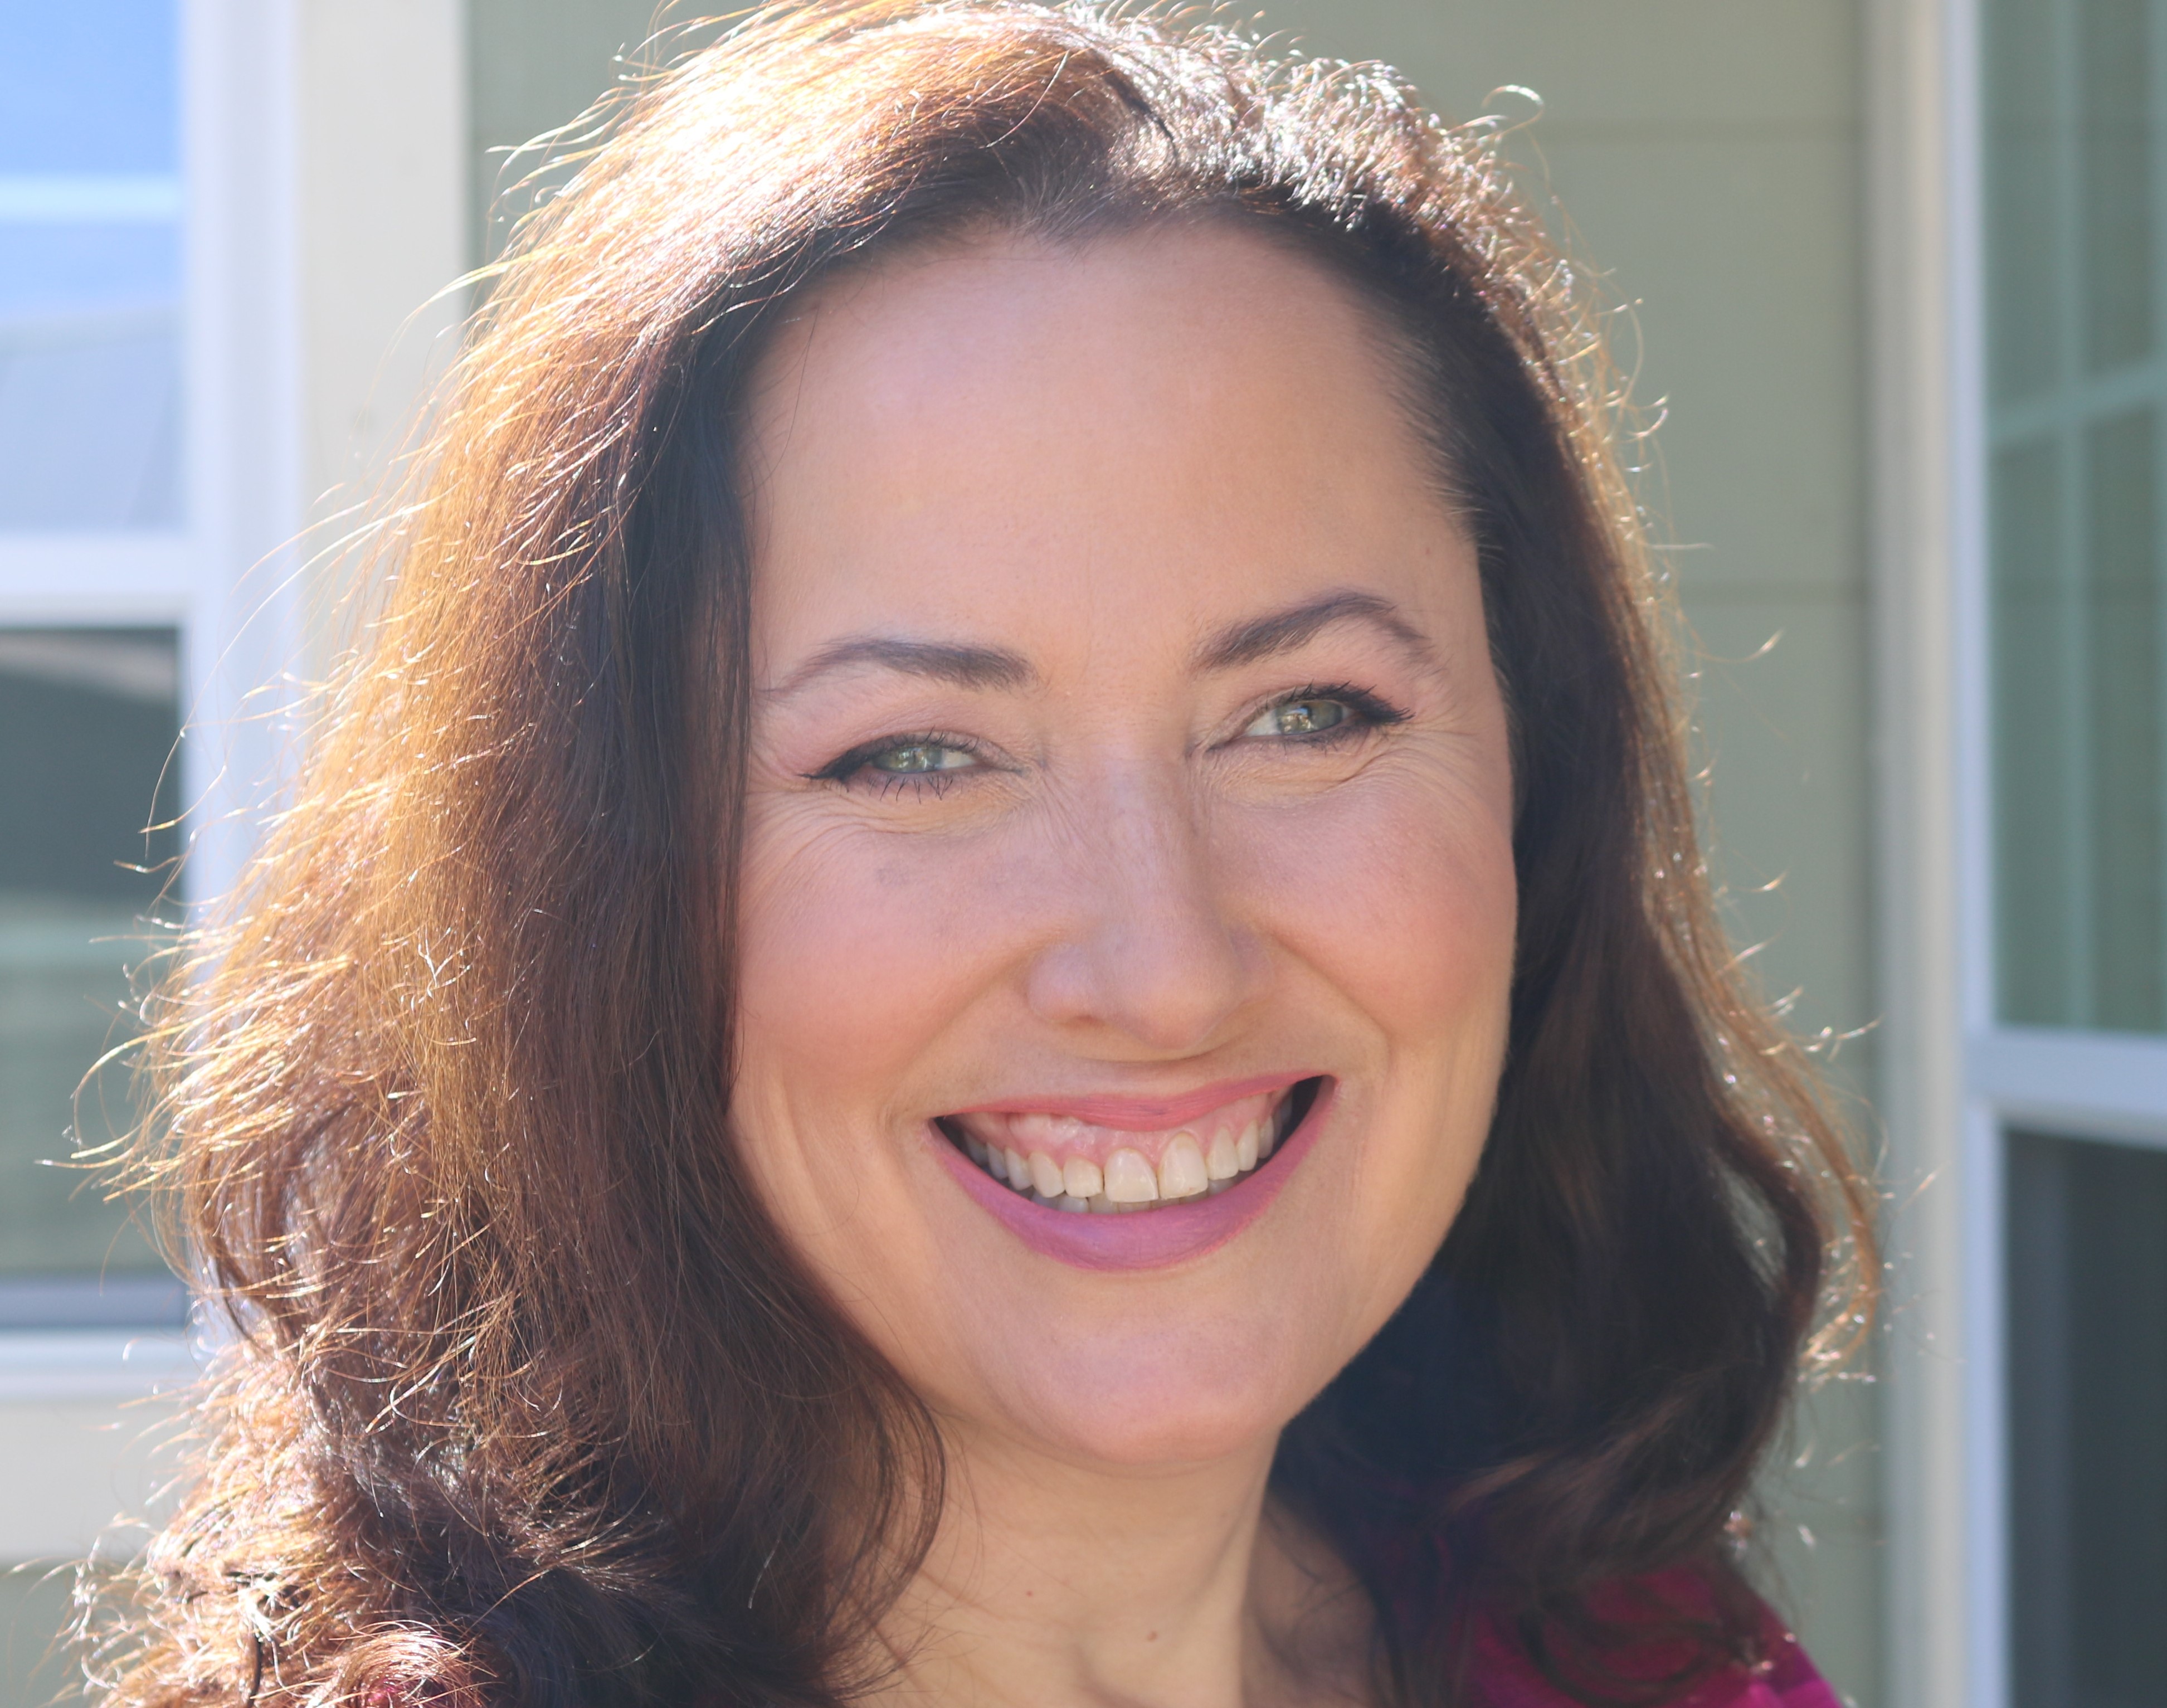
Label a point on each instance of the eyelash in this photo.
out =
(849, 769)
(1370, 712)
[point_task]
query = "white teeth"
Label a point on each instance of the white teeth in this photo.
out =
(1181, 1171)
(1126, 1181)
(1129, 1178)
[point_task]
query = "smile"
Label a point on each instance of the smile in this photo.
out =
(1065, 1162)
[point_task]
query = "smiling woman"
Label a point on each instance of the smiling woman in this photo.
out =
(991, 987)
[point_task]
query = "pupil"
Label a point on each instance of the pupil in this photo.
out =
(919, 758)
(1307, 717)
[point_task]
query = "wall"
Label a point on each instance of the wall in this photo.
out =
(1706, 156)
(538, 64)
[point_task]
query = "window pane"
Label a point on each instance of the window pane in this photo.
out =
(2117, 174)
(2080, 625)
(90, 265)
(2034, 732)
(2087, 1268)
(88, 724)
(2020, 160)
(2123, 606)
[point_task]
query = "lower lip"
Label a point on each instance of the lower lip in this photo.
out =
(1141, 1240)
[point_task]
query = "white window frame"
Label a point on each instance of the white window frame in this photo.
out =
(223, 579)
(1958, 1080)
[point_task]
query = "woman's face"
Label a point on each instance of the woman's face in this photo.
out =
(1130, 809)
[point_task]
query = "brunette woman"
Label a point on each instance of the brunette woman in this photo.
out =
(992, 986)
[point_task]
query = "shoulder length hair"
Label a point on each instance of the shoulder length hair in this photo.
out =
(530, 1403)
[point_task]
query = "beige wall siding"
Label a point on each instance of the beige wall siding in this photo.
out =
(538, 64)
(1707, 156)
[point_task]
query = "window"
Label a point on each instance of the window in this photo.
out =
(2069, 1064)
(87, 728)
(98, 567)
(2076, 387)
(90, 266)
(2087, 1316)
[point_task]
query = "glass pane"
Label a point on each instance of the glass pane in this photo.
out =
(90, 265)
(2117, 168)
(2087, 1271)
(88, 724)
(2021, 161)
(2079, 622)
(2122, 608)
(2034, 733)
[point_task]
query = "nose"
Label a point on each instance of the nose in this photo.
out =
(1147, 945)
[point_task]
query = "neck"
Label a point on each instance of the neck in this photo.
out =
(1052, 1583)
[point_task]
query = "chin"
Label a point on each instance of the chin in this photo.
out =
(1184, 1396)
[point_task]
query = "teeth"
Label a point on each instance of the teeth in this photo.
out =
(1181, 1171)
(1129, 1178)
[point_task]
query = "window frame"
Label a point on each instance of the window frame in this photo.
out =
(224, 579)
(1958, 1078)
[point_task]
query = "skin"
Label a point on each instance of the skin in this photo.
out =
(1097, 459)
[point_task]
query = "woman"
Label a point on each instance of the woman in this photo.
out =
(992, 986)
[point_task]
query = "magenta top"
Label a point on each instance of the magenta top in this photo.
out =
(1783, 1678)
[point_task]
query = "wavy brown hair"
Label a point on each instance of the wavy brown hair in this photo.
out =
(529, 1403)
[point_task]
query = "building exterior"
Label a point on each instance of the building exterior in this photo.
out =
(1888, 276)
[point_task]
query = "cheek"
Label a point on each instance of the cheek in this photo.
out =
(1400, 893)
(854, 949)
(1399, 900)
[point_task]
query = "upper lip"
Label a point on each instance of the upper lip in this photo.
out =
(1138, 1114)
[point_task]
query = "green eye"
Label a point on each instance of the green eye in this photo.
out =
(915, 758)
(1312, 716)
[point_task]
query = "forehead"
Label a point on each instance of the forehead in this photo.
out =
(1166, 423)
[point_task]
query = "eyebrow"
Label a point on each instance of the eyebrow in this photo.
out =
(965, 666)
(1283, 631)
(993, 668)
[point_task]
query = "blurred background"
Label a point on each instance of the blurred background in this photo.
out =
(1888, 278)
